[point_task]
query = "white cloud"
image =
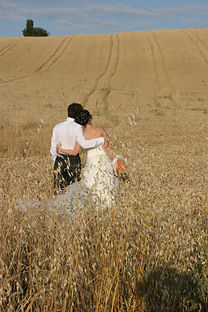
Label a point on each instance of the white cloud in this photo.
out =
(185, 10)
(88, 25)
(56, 13)
(120, 10)
(9, 11)
(195, 22)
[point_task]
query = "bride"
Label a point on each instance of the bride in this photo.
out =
(98, 176)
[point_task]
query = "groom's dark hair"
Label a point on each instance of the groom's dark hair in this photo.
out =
(73, 109)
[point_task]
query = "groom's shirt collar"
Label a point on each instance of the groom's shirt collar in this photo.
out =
(69, 119)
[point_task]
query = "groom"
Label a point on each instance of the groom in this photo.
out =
(67, 168)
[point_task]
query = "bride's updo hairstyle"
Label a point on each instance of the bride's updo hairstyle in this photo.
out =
(83, 117)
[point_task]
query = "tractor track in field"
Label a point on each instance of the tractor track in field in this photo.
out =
(198, 44)
(97, 81)
(115, 50)
(43, 68)
(160, 68)
(105, 78)
(61, 49)
(8, 48)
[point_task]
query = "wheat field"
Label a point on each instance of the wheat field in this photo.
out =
(149, 251)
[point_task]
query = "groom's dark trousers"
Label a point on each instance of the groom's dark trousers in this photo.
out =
(67, 170)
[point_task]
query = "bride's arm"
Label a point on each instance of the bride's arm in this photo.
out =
(107, 145)
(109, 152)
(73, 152)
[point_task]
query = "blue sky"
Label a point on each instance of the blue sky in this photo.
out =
(66, 17)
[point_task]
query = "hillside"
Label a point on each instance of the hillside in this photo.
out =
(113, 73)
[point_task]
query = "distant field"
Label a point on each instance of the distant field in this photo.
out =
(149, 252)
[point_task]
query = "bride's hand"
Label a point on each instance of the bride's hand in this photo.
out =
(106, 145)
(58, 148)
(106, 141)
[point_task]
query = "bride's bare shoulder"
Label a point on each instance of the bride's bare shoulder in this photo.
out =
(100, 128)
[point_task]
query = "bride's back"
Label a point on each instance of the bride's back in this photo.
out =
(91, 132)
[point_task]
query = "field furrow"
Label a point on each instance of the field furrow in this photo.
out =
(55, 56)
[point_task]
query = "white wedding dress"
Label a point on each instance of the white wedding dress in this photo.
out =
(98, 176)
(98, 183)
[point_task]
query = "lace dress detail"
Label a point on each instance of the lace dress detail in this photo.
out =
(98, 175)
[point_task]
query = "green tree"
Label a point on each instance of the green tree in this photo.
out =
(28, 31)
(34, 31)
(40, 32)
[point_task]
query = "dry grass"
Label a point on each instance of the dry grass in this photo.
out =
(147, 253)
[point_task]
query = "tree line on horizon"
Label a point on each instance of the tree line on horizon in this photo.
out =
(31, 31)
